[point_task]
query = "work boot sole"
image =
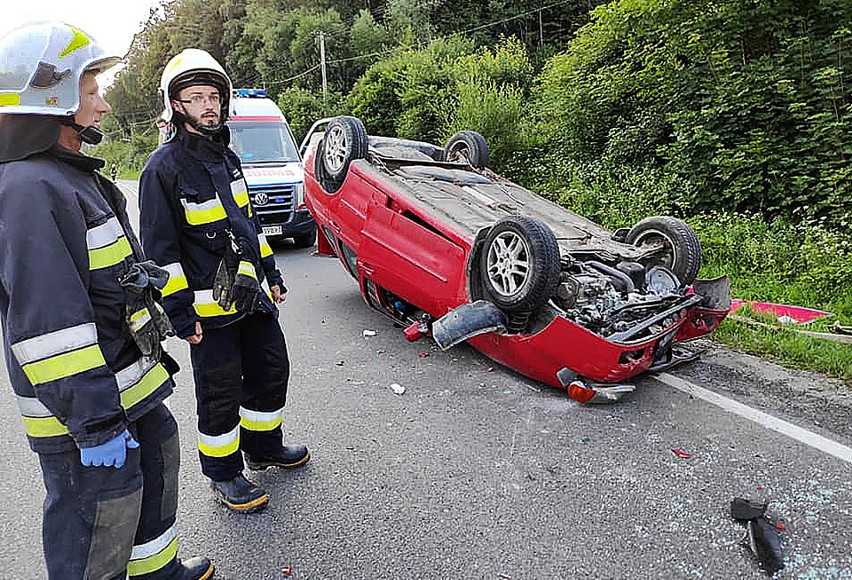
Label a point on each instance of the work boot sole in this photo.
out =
(260, 465)
(252, 506)
(208, 574)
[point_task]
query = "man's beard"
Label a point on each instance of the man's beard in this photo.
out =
(204, 122)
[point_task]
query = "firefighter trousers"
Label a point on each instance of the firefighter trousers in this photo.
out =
(102, 523)
(241, 372)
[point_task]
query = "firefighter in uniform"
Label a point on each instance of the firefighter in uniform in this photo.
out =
(81, 325)
(196, 221)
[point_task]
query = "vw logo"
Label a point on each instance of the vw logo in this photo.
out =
(261, 199)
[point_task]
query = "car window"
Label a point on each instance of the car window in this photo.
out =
(262, 142)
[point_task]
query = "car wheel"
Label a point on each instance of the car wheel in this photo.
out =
(681, 248)
(519, 264)
(344, 141)
(305, 240)
(469, 146)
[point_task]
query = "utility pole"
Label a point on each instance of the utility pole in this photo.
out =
(322, 68)
(540, 29)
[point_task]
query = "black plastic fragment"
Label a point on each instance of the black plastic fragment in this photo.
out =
(764, 542)
(761, 533)
(746, 509)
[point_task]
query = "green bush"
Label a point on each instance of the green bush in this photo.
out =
(748, 102)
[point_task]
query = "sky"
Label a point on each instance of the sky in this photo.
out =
(111, 22)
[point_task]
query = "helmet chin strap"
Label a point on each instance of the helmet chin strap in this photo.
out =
(209, 130)
(90, 134)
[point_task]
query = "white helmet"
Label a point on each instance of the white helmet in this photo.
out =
(194, 67)
(41, 65)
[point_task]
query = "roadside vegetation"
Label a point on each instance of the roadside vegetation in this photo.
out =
(734, 115)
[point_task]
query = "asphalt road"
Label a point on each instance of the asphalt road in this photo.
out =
(476, 472)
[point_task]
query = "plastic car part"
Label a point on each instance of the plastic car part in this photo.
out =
(680, 248)
(519, 264)
(764, 542)
(469, 145)
(597, 394)
(747, 509)
(344, 141)
(467, 321)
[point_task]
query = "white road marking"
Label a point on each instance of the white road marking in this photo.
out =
(793, 431)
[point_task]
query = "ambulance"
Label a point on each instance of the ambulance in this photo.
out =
(272, 167)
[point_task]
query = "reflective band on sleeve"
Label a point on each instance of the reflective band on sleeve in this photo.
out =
(150, 382)
(247, 269)
(54, 343)
(154, 555)
(107, 245)
(105, 234)
(203, 213)
(239, 192)
(44, 427)
(38, 421)
(265, 248)
(177, 279)
(206, 307)
(110, 255)
(219, 445)
(64, 365)
(139, 319)
(259, 421)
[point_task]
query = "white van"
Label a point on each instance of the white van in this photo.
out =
(272, 166)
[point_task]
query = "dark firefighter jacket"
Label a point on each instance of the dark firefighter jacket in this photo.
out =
(191, 193)
(65, 240)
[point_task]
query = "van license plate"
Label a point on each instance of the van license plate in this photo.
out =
(272, 230)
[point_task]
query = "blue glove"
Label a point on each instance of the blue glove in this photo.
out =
(109, 454)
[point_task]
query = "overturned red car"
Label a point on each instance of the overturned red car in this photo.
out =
(447, 248)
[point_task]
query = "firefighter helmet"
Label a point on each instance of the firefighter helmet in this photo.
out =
(41, 65)
(194, 67)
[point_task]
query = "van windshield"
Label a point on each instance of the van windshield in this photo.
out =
(262, 142)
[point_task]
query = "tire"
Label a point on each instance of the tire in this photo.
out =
(469, 145)
(345, 140)
(305, 240)
(682, 249)
(519, 264)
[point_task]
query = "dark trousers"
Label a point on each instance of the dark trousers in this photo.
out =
(241, 373)
(102, 522)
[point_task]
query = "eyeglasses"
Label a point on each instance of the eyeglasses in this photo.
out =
(196, 100)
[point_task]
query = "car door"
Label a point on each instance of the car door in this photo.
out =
(411, 259)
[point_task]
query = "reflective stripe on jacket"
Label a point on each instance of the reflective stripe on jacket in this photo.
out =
(64, 241)
(191, 192)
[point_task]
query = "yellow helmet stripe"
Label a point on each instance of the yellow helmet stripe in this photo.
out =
(79, 41)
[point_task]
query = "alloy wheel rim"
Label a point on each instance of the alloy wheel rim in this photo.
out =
(508, 263)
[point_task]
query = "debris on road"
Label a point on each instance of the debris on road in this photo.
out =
(423, 355)
(681, 454)
(397, 388)
(761, 533)
(368, 333)
(784, 313)
(287, 570)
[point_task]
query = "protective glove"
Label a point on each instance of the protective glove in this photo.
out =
(246, 291)
(147, 321)
(113, 453)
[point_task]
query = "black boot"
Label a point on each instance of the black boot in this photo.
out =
(289, 456)
(198, 568)
(240, 494)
